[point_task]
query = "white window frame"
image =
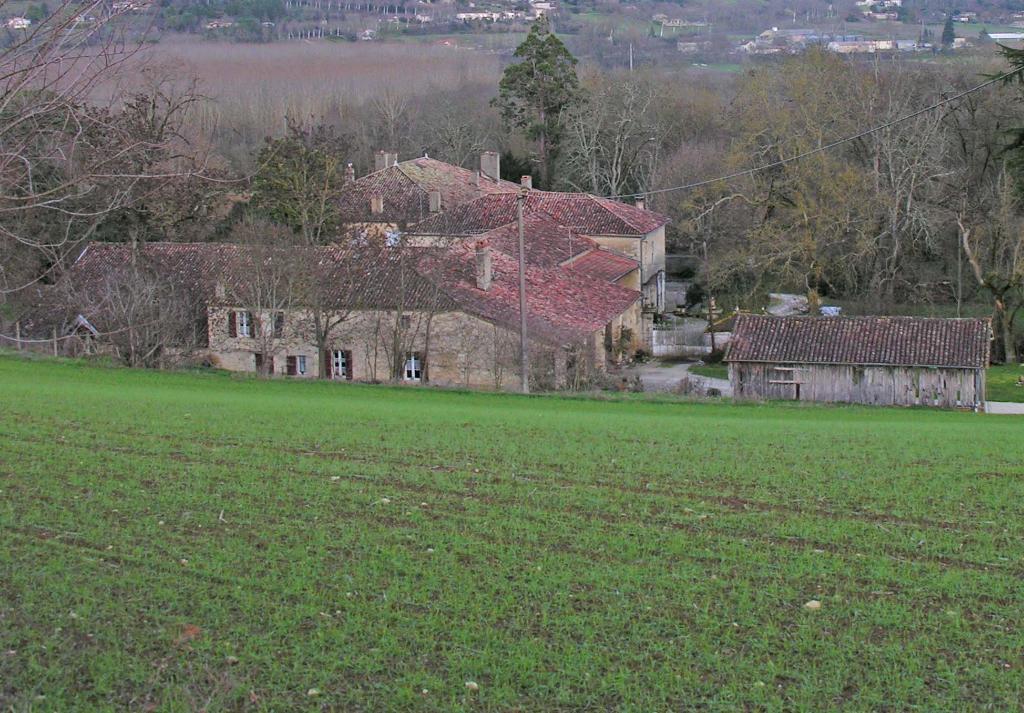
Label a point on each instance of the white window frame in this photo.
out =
(244, 323)
(339, 364)
(413, 368)
(300, 364)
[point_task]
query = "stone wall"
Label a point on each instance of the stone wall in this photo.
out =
(458, 349)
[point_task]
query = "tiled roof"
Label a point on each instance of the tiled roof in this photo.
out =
(405, 188)
(603, 265)
(373, 281)
(547, 243)
(600, 216)
(885, 341)
(581, 212)
(562, 308)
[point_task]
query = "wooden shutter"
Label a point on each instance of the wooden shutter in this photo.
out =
(348, 364)
(232, 324)
(278, 324)
(254, 329)
(423, 365)
(327, 360)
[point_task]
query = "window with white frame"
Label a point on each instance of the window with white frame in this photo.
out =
(340, 364)
(244, 324)
(413, 367)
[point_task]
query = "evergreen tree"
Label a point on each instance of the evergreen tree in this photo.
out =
(534, 91)
(948, 33)
(300, 179)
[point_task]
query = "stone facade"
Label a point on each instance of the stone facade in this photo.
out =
(450, 348)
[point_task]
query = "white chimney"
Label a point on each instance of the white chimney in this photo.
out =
(490, 164)
(377, 204)
(641, 203)
(350, 173)
(483, 265)
(435, 201)
(526, 181)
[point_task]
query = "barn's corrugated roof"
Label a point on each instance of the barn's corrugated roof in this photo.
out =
(884, 341)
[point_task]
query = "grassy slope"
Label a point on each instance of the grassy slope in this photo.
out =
(584, 553)
(714, 371)
(1001, 383)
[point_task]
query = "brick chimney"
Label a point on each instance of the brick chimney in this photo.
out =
(526, 182)
(490, 164)
(384, 159)
(435, 201)
(377, 204)
(350, 173)
(483, 265)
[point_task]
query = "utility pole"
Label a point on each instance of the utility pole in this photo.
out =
(524, 357)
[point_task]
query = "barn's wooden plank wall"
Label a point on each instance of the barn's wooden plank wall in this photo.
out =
(879, 385)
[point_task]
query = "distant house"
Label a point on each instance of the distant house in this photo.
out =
(861, 46)
(902, 361)
(1006, 36)
(18, 23)
(691, 47)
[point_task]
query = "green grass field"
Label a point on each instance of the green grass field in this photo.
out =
(714, 371)
(1001, 383)
(178, 542)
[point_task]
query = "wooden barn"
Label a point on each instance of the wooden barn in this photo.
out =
(903, 361)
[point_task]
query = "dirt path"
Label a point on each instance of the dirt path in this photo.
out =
(665, 376)
(1004, 407)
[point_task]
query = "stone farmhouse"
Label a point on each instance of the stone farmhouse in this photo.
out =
(417, 315)
(421, 284)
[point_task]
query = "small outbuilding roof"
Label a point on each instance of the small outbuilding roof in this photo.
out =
(870, 341)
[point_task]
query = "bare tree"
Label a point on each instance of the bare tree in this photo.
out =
(993, 243)
(264, 280)
(144, 318)
(66, 164)
(613, 136)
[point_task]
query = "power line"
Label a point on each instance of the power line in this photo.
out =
(782, 162)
